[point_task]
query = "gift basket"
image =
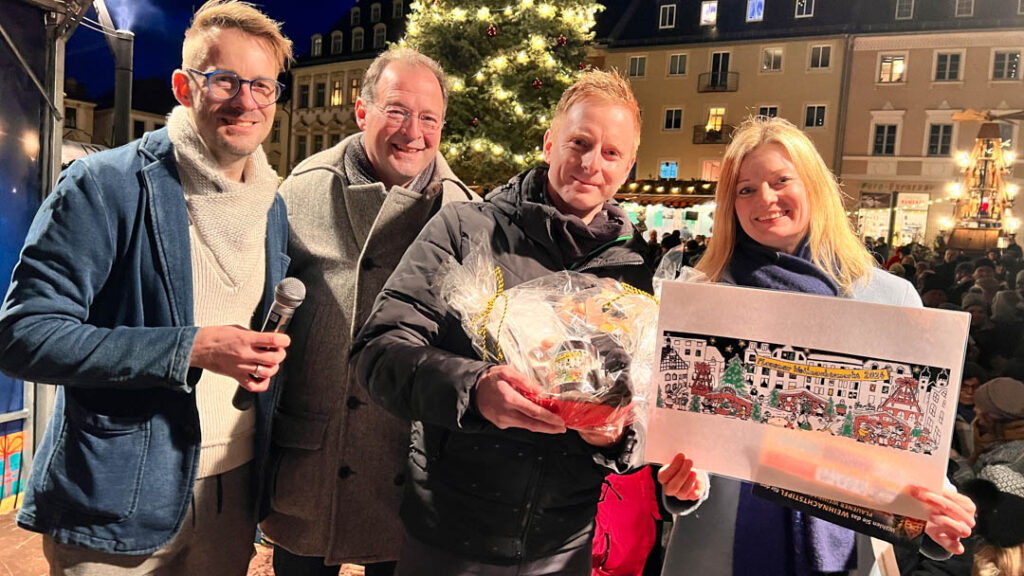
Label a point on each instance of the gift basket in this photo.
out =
(586, 342)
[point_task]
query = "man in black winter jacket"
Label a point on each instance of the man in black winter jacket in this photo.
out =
(495, 480)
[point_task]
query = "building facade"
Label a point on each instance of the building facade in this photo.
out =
(319, 110)
(874, 83)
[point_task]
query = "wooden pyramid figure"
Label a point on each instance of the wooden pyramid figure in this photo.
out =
(702, 381)
(902, 403)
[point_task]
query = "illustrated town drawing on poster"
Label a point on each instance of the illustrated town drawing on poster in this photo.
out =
(880, 402)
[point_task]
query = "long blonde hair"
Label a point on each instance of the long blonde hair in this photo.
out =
(834, 246)
(995, 561)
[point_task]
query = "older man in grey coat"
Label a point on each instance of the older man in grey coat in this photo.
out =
(338, 460)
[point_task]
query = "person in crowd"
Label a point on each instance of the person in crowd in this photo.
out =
(355, 208)
(882, 248)
(898, 257)
(497, 484)
(963, 436)
(993, 475)
(945, 272)
(963, 279)
(654, 251)
(671, 241)
(138, 291)
(780, 224)
(1013, 249)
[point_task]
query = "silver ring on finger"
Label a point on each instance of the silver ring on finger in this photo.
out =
(256, 373)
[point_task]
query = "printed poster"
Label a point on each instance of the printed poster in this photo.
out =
(844, 400)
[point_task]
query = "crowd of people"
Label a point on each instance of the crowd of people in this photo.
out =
(379, 436)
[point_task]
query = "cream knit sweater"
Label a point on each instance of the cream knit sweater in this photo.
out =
(227, 231)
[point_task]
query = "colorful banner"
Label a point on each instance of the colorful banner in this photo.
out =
(822, 371)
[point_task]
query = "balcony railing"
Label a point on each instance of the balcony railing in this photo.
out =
(701, 134)
(718, 82)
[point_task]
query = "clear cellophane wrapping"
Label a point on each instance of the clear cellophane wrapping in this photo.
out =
(586, 342)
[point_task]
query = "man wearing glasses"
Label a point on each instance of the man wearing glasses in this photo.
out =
(354, 209)
(131, 294)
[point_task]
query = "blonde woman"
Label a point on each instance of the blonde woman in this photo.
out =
(780, 224)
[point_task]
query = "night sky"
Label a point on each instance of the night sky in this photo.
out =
(159, 26)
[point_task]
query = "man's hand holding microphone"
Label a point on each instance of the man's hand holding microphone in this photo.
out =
(252, 358)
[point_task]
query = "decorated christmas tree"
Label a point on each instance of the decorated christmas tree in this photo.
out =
(508, 63)
(734, 375)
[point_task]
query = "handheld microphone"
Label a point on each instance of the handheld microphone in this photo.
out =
(288, 295)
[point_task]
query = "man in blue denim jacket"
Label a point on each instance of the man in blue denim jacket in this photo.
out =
(136, 279)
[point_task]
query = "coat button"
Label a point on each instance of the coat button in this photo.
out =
(367, 264)
(399, 479)
(354, 402)
(344, 472)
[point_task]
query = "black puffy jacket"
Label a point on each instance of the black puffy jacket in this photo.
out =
(476, 491)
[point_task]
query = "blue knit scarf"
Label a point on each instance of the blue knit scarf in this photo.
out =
(772, 540)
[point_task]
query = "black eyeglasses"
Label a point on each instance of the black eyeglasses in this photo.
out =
(225, 84)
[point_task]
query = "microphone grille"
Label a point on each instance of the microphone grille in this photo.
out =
(290, 292)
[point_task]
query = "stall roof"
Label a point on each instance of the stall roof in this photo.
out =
(670, 200)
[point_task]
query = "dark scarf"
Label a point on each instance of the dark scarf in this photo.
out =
(771, 539)
(360, 171)
(574, 239)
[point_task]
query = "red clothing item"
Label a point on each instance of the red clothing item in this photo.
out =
(626, 530)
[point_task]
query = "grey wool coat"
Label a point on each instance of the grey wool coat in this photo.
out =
(337, 460)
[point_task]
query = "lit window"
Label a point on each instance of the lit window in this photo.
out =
(667, 18)
(354, 85)
(1006, 66)
(380, 36)
(709, 13)
(904, 9)
(318, 45)
(964, 8)
(357, 40)
(637, 66)
(709, 171)
(755, 10)
(821, 57)
(940, 136)
(669, 170)
(677, 65)
(673, 119)
(396, 9)
(885, 140)
(716, 117)
(768, 111)
(771, 60)
(815, 117)
(336, 43)
(804, 8)
(374, 13)
(947, 67)
(337, 97)
(891, 68)
(354, 18)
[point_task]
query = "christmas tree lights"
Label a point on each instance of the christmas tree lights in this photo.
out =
(508, 63)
